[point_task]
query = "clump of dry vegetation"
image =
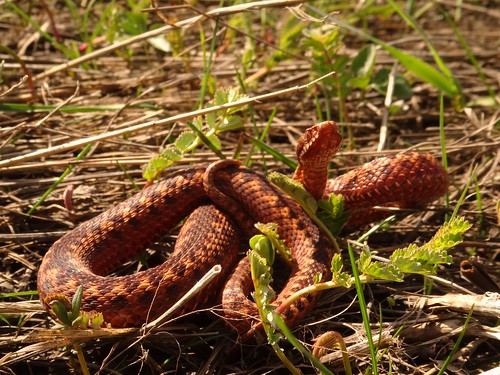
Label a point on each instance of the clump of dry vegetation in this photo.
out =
(91, 93)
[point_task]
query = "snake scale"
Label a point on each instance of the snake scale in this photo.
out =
(222, 201)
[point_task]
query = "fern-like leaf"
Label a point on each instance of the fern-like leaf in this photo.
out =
(423, 259)
(340, 278)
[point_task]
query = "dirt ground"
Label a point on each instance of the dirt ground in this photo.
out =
(94, 118)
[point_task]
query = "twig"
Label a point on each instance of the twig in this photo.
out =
(184, 116)
(21, 82)
(58, 107)
(200, 284)
(387, 109)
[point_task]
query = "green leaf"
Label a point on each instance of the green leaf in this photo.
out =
(362, 67)
(264, 247)
(339, 277)
(197, 122)
(226, 96)
(360, 82)
(426, 72)
(402, 89)
(332, 213)
(230, 123)
(423, 259)
(214, 141)
(212, 122)
(158, 164)
(61, 312)
(382, 271)
(317, 278)
(133, 23)
(185, 140)
(76, 302)
(295, 190)
(337, 264)
(96, 320)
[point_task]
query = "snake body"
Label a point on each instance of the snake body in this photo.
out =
(408, 180)
(98, 246)
(224, 200)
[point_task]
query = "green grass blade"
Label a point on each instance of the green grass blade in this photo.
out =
(275, 154)
(80, 156)
(470, 55)
(442, 138)
(27, 293)
(424, 71)
(296, 343)
(457, 343)
(364, 309)
(410, 21)
(464, 192)
(207, 63)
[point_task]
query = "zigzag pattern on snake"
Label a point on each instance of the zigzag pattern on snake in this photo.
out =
(212, 234)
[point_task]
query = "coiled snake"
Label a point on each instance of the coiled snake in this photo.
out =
(223, 200)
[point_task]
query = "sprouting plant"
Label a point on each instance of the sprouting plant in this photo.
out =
(204, 130)
(70, 316)
(325, 42)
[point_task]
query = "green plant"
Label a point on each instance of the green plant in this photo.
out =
(441, 79)
(70, 317)
(204, 130)
(412, 259)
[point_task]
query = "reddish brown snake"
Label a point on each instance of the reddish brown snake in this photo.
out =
(212, 234)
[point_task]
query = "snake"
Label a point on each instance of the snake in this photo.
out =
(219, 203)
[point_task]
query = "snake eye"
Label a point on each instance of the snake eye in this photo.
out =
(306, 140)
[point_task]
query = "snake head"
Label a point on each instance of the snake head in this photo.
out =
(315, 148)
(320, 141)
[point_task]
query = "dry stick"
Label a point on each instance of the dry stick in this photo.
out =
(181, 24)
(387, 110)
(200, 284)
(58, 107)
(202, 156)
(185, 116)
(22, 81)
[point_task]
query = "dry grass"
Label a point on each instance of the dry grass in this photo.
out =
(121, 90)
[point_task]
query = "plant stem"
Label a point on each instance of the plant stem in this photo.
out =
(81, 359)
(362, 305)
